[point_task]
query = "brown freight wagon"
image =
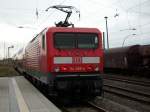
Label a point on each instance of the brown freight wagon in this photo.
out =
(123, 58)
(145, 52)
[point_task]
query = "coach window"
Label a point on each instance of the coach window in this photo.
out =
(43, 42)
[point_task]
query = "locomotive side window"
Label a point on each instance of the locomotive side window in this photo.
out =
(75, 40)
(43, 42)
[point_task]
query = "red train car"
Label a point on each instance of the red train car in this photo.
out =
(66, 60)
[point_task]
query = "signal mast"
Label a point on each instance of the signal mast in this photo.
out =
(66, 9)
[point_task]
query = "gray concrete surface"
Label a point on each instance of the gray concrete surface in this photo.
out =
(18, 95)
(4, 95)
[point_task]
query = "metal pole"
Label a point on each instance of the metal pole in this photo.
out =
(103, 40)
(4, 54)
(107, 32)
(8, 52)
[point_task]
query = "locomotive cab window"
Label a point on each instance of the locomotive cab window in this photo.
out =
(75, 40)
(43, 42)
(87, 41)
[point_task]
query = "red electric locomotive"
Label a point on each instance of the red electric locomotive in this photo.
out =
(67, 60)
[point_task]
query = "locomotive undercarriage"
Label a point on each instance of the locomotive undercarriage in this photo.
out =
(72, 85)
(86, 85)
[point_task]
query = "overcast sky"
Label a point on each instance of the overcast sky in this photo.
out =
(122, 16)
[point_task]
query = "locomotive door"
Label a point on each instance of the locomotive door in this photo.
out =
(42, 50)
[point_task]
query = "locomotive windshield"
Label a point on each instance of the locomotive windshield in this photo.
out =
(75, 40)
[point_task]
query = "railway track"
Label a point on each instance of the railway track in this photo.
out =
(128, 80)
(136, 90)
(86, 107)
(132, 95)
(100, 109)
(131, 92)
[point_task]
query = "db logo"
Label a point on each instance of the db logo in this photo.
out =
(77, 60)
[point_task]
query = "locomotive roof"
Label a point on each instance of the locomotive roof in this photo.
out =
(38, 35)
(73, 29)
(67, 29)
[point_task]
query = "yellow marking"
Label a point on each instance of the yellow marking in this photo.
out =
(21, 103)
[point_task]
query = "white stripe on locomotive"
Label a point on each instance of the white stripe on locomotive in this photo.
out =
(75, 60)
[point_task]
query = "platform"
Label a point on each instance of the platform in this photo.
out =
(19, 95)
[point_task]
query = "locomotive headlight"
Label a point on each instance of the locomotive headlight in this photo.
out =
(89, 68)
(56, 69)
(63, 68)
(96, 69)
